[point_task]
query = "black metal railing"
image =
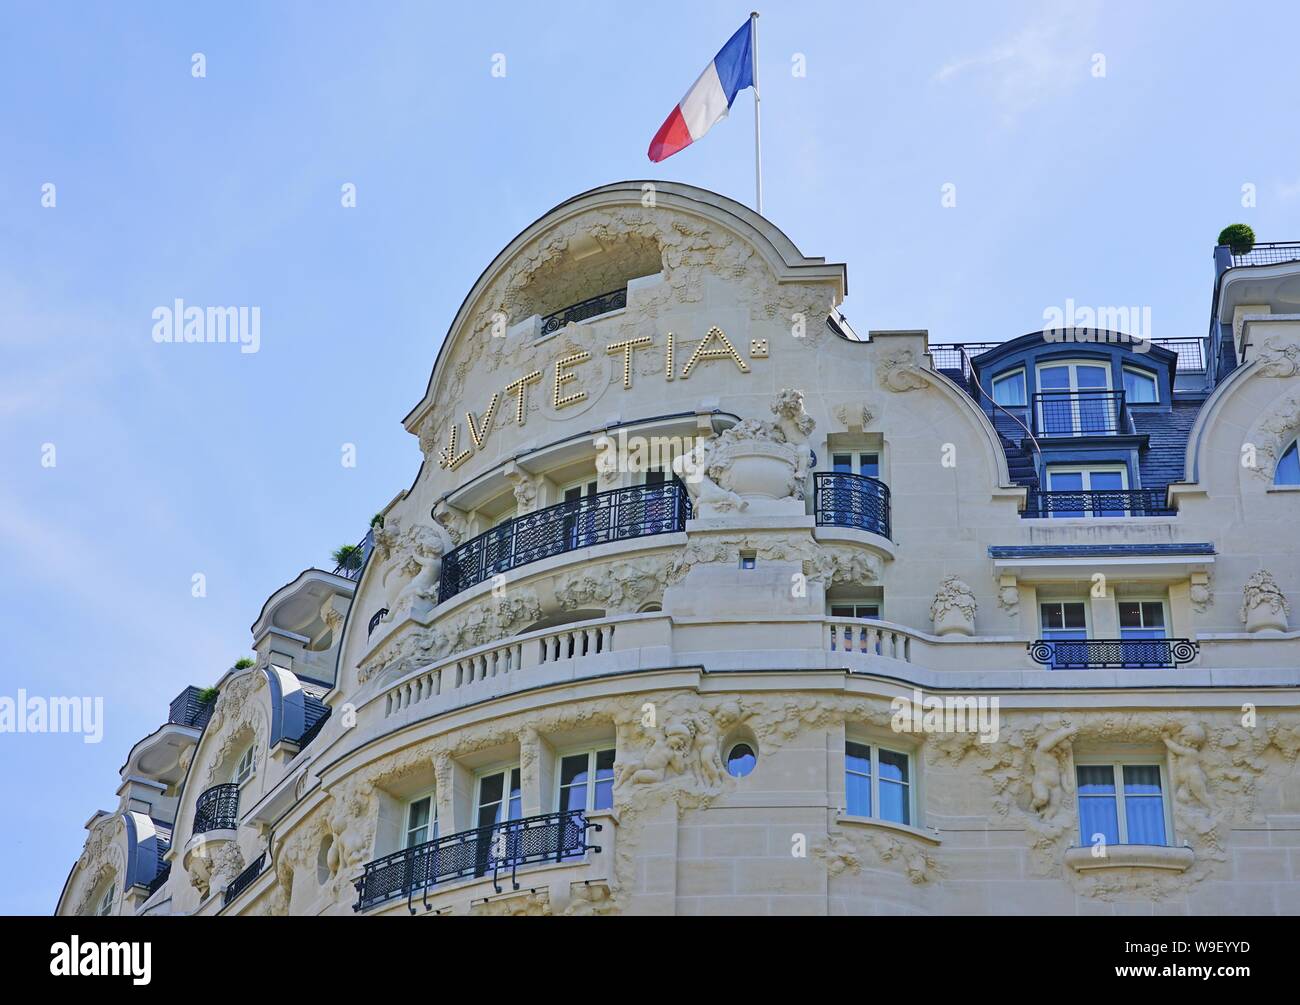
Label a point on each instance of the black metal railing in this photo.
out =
(548, 837)
(156, 884)
(1102, 502)
(1269, 253)
(1122, 654)
(592, 307)
(1190, 352)
(841, 499)
(1080, 413)
(245, 879)
(188, 708)
(355, 563)
(956, 356)
(375, 618)
(217, 809)
(617, 515)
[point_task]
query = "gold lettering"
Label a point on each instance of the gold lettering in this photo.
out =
(449, 458)
(626, 347)
(477, 435)
(725, 351)
(563, 376)
(520, 387)
(668, 358)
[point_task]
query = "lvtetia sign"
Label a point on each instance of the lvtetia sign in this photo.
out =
(566, 383)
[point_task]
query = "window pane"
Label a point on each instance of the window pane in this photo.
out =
(604, 764)
(573, 797)
(1139, 388)
(1103, 481)
(1052, 378)
(857, 757)
(1052, 616)
(1010, 390)
(1065, 481)
(1074, 615)
(1141, 780)
(604, 795)
(741, 760)
(1090, 376)
(893, 800)
(843, 463)
(1153, 614)
(842, 611)
(1097, 816)
(1096, 779)
(573, 769)
(1145, 819)
(857, 790)
(419, 814)
(1288, 468)
(893, 766)
(490, 788)
(1130, 615)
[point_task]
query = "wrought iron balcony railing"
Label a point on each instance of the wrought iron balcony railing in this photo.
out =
(1113, 654)
(617, 515)
(549, 837)
(242, 882)
(375, 618)
(1080, 413)
(156, 884)
(847, 500)
(1269, 253)
(592, 307)
(1101, 502)
(355, 563)
(217, 809)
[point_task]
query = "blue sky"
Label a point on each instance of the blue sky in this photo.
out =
(173, 460)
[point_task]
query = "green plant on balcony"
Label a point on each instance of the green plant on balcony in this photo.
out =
(243, 663)
(349, 557)
(207, 696)
(377, 521)
(1239, 237)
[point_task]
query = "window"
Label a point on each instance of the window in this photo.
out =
(105, 907)
(1140, 387)
(1100, 491)
(1009, 389)
(580, 522)
(587, 780)
(1064, 619)
(500, 799)
(655, 476)
(748, 560)
(1130, 812)
(877, 779)
(1142, 619)
(244, 769)
(1288, 467)
(421, 820)
(1074, 402)
(869, 612)
(741, 760)
(856, 464)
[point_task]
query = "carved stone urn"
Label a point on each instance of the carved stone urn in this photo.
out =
(1263, 606)
(953, 610)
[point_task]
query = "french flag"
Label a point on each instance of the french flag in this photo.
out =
(709, 99)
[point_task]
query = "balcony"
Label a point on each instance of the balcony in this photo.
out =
(217, 809)
(1080, 413)
(593, 307)
(549, 837)
(189, 709)
(244, 880)
(848, 500)
(355, 563)
(617, 515)
(1265, 253)
(1111, 502)
(1113, 654)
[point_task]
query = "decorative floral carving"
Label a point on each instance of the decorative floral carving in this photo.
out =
(615, 587)
(1278, 360)
(1009, 598)
(1273, 435)
(1263, 605)
(590, 898)
(857, 415)
(237, 717)
(526, 489)
(839, 853)
(953, 609)
(528, 903)
(918, 863)
(1200, 593)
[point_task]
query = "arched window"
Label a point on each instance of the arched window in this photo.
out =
(244, 769)
(1288, 467)
(105, 905)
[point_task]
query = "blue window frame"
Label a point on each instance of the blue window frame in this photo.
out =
(1124, 803)
(1288, 466)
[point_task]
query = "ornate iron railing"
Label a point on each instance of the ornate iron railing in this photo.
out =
(375, 618)
(314, 730)
(617, 515)
(1112, 654)
(1101, 502)
(1080, 413)
(245, 879)
(548, 837)
(356, 563)
(217, 808)
(592, 307)
(848, 500)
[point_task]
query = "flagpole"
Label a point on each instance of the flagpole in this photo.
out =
(758, 132)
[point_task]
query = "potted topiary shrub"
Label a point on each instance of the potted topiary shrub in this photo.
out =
(243, 663)
(349, 557)
(1239, 237)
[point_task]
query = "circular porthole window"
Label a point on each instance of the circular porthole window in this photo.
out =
(741, 760)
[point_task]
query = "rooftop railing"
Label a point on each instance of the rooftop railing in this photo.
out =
(188, 708)
(842, 499)
(592, 307)
(491, 850)
(1100, 502)
(1113, 654)
(355, 563)
(217, 808)
(1268, 253)
(617, 515)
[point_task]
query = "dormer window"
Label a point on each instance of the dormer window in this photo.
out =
(1140, 387)
(244, 769)
(1009, 390)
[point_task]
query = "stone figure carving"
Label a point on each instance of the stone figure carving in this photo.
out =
(697, 469)
(617, 587)
(899, 371)
(1278, 360)
(917, 863)
(526, 488)
(349, 820)
(1046, 774)
(1263, 605)
(667, 753)
(953, 609)
(1273, 434)
(1200, 593)
(1009, 598)
(1187, 775)
(839, 853)
(589, 899)
(422, 551)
